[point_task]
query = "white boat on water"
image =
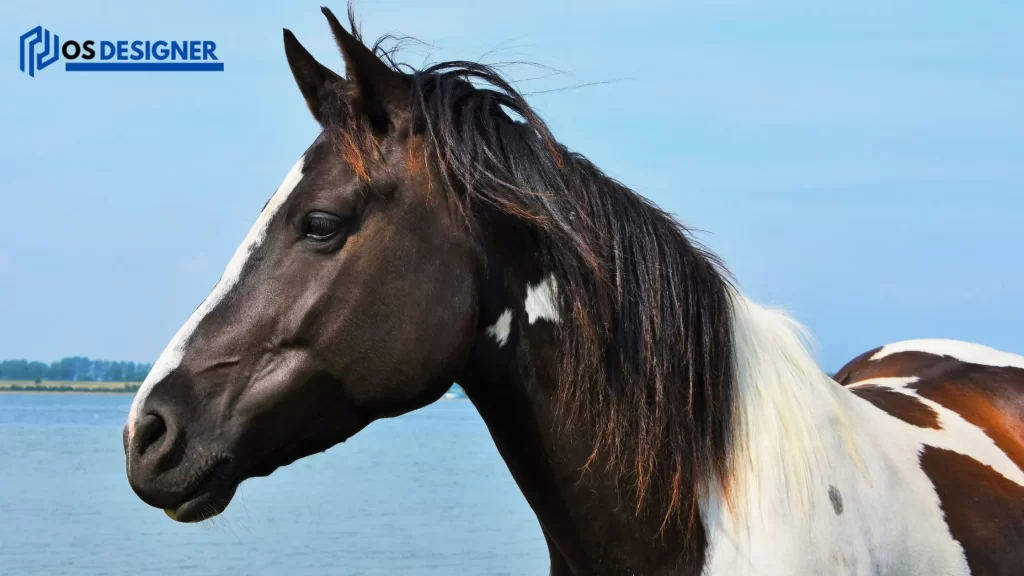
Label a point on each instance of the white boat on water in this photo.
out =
(454, 393)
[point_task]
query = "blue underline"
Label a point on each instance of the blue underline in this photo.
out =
(144, 66)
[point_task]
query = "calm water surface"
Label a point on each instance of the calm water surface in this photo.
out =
(424, 494)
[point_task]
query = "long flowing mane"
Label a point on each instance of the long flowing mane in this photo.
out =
(646, 359)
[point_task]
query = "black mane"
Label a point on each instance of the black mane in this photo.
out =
(647, 351)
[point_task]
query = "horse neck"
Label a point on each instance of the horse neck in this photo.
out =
(793, 428)
(512, 378)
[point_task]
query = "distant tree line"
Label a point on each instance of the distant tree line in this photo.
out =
(74, 369)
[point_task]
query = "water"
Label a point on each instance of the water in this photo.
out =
(424, 494)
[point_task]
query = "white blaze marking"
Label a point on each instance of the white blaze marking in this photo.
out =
(542, 300)
(501, 329)
(171, 356)
(962, 351)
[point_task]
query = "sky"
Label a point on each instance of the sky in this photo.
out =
(859, 164)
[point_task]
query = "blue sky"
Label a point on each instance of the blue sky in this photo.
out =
(859, 165)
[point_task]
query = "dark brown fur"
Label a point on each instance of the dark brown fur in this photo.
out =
(906, 408)
(991, 398)
(984, 511)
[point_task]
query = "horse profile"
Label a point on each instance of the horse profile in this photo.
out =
(655, 419)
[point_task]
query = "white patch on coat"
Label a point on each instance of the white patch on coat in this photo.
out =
(173, 353)
(962, 351)
(501, 329)
(542, 300)
(799, 434)
(894, 382)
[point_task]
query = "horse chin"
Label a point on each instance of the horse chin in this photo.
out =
(208, 501)
(214, 495)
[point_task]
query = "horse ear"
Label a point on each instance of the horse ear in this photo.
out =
(377, 88)
(314, 79)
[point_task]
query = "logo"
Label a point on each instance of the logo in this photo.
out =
(36, 59)
(38, 52)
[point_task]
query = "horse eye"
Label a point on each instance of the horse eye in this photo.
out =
(321, 226)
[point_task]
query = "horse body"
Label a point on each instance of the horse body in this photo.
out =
(902, 484)
(656, 421)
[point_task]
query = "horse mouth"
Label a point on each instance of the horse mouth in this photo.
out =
(212, 494)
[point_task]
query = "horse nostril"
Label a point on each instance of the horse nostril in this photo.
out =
(155, 447)
(150, 429)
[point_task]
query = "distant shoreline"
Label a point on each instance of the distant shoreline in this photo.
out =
(67, 387)
(11, 392)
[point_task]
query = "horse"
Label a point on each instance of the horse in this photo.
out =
(656, 420)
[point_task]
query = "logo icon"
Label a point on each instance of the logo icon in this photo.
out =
(38, 57)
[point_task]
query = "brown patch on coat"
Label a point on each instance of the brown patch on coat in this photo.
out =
(899, 365)
(990, 397)
(846, 374)
(906, 408)
(983, 509)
